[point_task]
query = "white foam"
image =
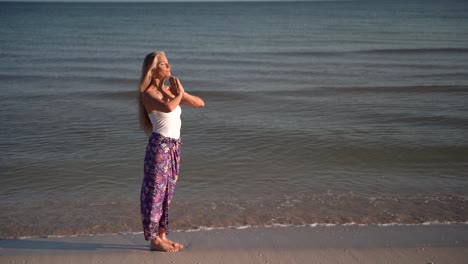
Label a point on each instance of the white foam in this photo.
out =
(205, 228)
(274, 225)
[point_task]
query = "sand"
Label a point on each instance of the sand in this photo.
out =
(337, 244)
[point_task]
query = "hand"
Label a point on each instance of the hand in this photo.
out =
(176, 86)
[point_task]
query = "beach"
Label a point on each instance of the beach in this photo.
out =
(321, 244)
(333, 131)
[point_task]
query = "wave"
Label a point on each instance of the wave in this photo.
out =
(120, 95)
(84, 79)
(327, 53)
(450, 75)
(374, 89)
(332, 209)
(223, 95)
(315, 53)
(242, 227)
(415, 50)
(422, 119)
(377, 89)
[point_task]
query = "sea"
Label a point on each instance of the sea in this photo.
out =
(317, 113)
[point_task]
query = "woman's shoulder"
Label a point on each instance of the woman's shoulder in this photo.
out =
(153, 92)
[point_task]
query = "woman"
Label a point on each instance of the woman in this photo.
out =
(160, 119)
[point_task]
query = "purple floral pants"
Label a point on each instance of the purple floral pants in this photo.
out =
(161, 172)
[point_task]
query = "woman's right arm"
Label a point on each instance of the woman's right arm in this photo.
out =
(153, 101)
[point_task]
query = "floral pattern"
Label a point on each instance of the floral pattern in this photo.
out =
(161, 170)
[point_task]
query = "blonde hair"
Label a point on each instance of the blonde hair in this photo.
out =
(150, 62)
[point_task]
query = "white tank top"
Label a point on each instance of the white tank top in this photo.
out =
(167, 124)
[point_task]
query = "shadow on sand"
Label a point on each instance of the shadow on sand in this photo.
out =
(63, 245)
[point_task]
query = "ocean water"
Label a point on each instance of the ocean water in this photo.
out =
(317, 113)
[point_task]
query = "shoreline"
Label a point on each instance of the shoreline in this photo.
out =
(205, 228)
(321, 244)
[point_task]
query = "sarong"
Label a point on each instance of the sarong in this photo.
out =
(161, 170)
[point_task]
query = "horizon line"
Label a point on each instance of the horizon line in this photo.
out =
(165, 1)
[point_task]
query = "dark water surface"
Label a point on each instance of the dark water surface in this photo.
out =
(316, 113)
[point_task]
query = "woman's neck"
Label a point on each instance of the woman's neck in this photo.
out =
(158, 83)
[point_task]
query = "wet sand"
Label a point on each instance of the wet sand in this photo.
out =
(336, 244)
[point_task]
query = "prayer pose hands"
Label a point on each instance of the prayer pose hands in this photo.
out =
(175, 86)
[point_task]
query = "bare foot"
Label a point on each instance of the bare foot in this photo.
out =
(174, 244)
(159, 245)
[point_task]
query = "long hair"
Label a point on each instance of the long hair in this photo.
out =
(150, 62)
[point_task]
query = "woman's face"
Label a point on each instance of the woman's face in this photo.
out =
(163, 68)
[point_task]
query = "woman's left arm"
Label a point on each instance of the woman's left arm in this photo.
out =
(192, 100)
